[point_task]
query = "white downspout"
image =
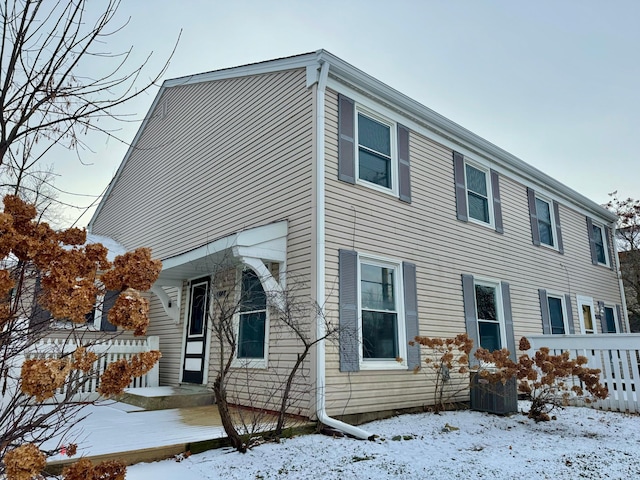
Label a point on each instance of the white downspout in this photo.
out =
(320, 266)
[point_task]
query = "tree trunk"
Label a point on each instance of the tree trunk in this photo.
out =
(225, 416)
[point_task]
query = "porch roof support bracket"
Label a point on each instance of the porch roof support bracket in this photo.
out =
(275, 293)
(171, 308)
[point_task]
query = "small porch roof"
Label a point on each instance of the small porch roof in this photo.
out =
(266, 242)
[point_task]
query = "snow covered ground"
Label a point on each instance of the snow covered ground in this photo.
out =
(583, 443)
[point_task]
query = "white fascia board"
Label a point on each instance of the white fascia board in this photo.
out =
(453, 135)
(270, 66)
(273, 236)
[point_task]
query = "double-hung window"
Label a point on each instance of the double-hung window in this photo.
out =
(599, 243)
(378, 304)
(379, 311)
(556, 314)
(544, 215)
(373, 151)
(488, 313)
(609, 320)
(545, 222)
(375, 163)
(252, 321)
(478, 193)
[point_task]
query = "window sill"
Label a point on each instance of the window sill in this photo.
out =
(480, 223)
(253, 363)
(373, 186)
(382, 365)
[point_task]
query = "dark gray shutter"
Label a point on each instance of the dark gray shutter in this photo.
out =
(621, 323)
(508, 321)
(346, 142)
(533, 216)
(404, 170)
(461, 189)
(607, 234)
(567, 304)
(110, 298)
(556, 215)
(592, 242)
(544, 310)
(348, 299)
(470, 316)
(497, 205)
(411, 313)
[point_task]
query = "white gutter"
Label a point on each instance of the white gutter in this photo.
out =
(320, 267)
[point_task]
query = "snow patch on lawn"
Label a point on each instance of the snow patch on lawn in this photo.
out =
(582, 443)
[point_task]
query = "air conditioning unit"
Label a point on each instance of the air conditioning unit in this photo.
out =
(498, 398)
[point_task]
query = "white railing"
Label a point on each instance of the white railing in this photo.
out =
(617, 356)
(108, 352)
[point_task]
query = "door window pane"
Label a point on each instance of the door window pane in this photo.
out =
(198, 309)
(588, 320)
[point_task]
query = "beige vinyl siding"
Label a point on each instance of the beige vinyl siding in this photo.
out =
(428, 233)
(213, 165)
(227, 155)
(170, 337)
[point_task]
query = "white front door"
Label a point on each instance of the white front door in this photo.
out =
(587, 314)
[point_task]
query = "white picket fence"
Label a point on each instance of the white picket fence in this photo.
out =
(617, 356)
(108, 352)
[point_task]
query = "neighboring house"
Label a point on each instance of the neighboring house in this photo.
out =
(401, 221)
(630, 269)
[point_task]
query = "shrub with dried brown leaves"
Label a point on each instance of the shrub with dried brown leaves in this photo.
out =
(24, 462)
(66, 273)
(119, 374)
(545, 379)
(40, 378)
(131, 312)
(135, 270)
(85, 470)
(444, 357)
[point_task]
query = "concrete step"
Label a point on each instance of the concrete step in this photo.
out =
(162, 398)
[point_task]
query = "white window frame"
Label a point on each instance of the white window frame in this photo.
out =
(256, 363)
(398, 292)
(603, 238)
(393, 145)
(565, 319)
(584, 300)
(497, 285)
(487, 171)
(616, 321)
(552, 217)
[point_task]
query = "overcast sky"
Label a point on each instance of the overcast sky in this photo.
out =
(554, 82)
